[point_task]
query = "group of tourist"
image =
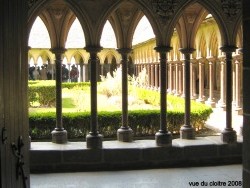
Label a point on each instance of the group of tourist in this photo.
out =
(45, 73)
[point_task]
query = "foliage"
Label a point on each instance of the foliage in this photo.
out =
(111, 85)
(143, 122)
(141, 80)
(44, 92)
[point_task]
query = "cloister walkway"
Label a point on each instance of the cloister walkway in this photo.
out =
(153, 178)
(48, 157)
(217, 121)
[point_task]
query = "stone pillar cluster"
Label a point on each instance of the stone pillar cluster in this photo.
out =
(59, 134)
(163, 137)
(93, 139)
(208, 81)
(124, 133)
(228, 135)
(187, 131)
(211, 101)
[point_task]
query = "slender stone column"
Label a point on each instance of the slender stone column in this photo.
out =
(93, 139)
(156, 76)
(233, 82)
(173, 78)
(228, 135)
(211, 100)
(201, 81)
(81, 71)
(177, 86)
(238, 107)
(124, 133)
(163, 137)
(192, 79)
(149, 75)
(59, 134)
(69, 68)
(180, 79)
(136, 69)
(183, 79)
(152, 76)
(221, 102)
(140, 68)
(170, 87)
(187, 131)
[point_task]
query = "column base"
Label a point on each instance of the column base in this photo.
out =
(59, 136)
(229, 136)
(163, 139)
(193, 98)
(187, 133)
(177, 94)
(222, 106)
(94, 141)
(238, 111)
(211, 103)
(125, 134)
(201, 100)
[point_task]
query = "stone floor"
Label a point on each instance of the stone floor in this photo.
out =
(217, 121)
(215, 176)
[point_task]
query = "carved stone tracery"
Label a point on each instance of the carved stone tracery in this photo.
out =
(164, 8)
(231, 8)
(31, 3)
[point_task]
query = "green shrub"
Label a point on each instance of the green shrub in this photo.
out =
(44, 92)
(143, 123)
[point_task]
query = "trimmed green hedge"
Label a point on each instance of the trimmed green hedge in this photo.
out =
(143, 123)
(44, 92)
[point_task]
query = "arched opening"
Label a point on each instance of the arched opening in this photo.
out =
(144, 55)
(108, 39)
(75, 38)
(143, 31)
(39, 36)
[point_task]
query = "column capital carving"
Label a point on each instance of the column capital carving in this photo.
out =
(187, 50)
(211, 58)
(239, 57)
(193, 60)
(236, 61)
(222, 58)
(163, 49)
(58, 51)
(93, 49)
(240, 50)
(201, 59)
(228, 49)
(124, 50)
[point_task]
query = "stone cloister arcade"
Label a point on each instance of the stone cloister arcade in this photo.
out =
(197, 53)
(109, 60)
(189, 49)
(207, 72)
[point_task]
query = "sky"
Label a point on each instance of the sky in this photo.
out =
(39, 37)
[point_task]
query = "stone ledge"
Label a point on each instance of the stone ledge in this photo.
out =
(46, 157)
